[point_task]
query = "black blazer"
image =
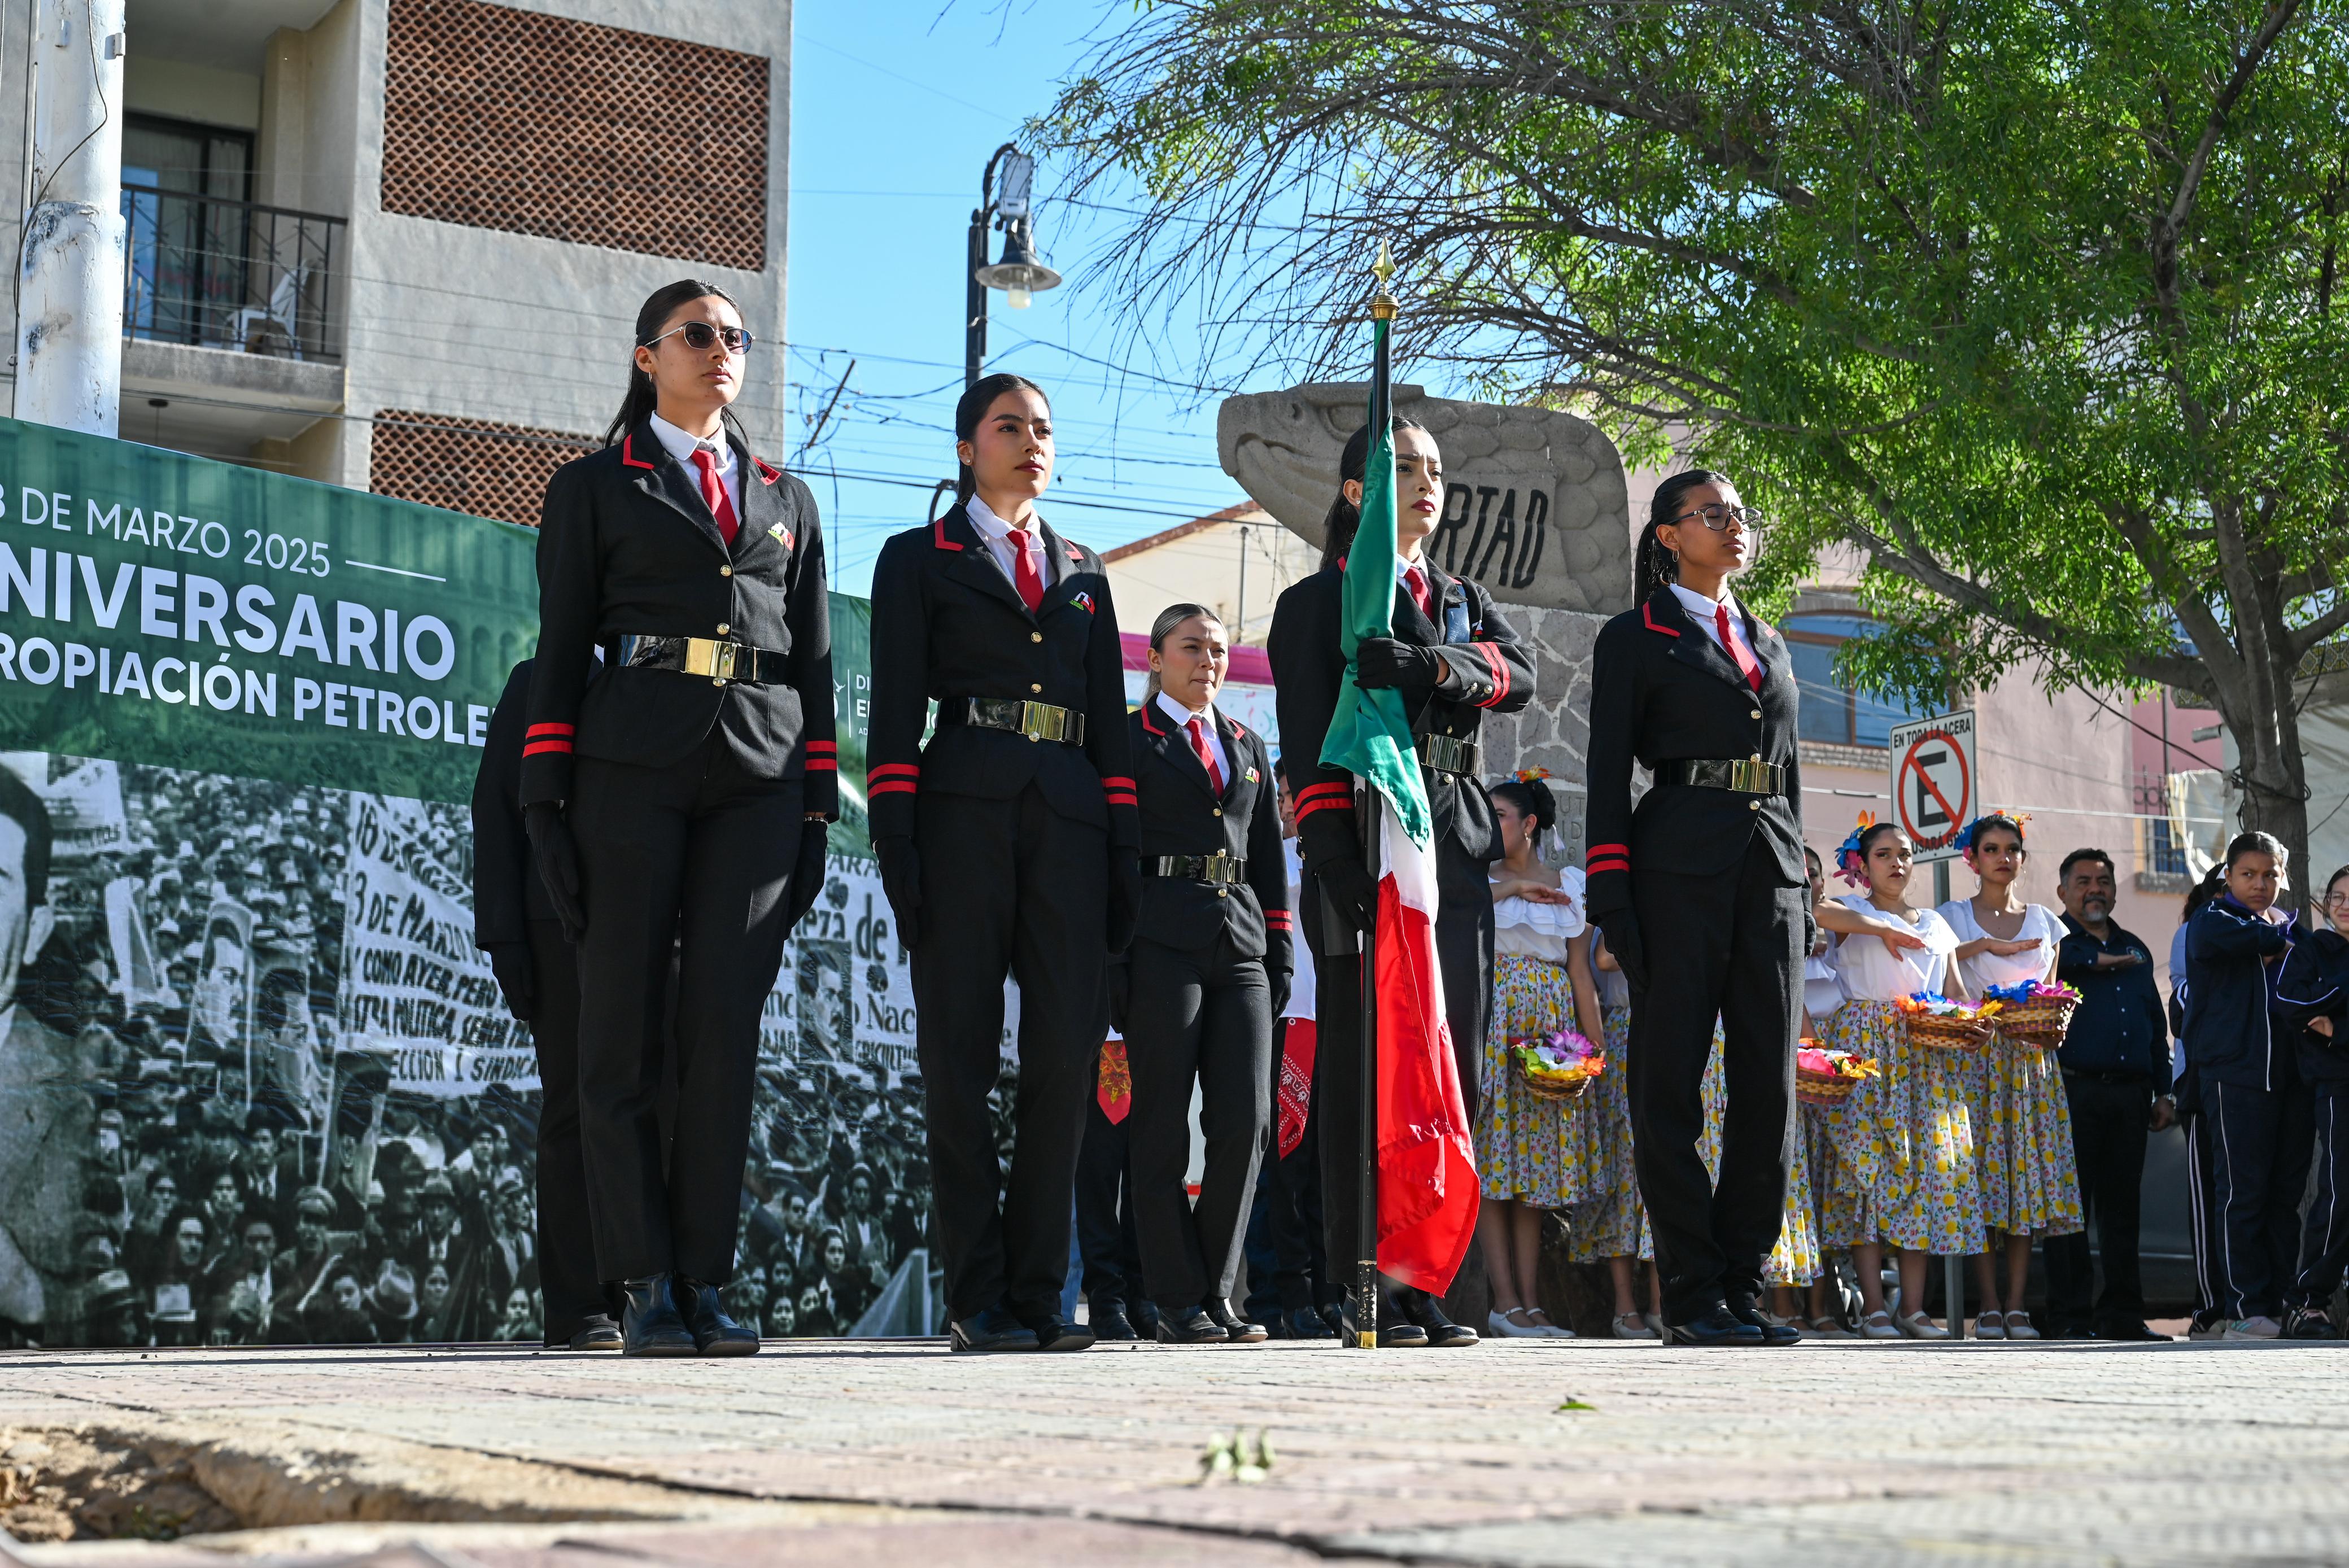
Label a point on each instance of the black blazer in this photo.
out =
(1661, 691)
(947, 623)
(1182, 815)
(1475, 643)
(507, 892)
(627, 544)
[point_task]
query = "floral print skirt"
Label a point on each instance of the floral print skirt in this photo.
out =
(2029, 1176)
(1530, 1150)
(1608, 1223)
(1907, 1165)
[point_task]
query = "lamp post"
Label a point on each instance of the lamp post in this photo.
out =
(1018, 275)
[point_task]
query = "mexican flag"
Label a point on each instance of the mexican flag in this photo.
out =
(1426, 1168)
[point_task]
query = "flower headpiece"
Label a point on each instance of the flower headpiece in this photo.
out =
(1964, 842)
(1851, 860)
(1527, 774)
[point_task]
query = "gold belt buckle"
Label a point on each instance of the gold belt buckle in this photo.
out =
(1752, 777)
(1219, 867)
(1039, 721)
(700, 657)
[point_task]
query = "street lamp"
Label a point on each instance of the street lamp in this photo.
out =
(1018, 275)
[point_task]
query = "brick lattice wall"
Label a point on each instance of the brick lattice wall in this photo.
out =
(469, 465)
(507, 119)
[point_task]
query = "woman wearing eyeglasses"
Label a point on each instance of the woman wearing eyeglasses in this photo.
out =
(679, 800)
(1702, 896)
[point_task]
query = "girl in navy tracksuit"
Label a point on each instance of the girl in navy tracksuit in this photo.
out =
(2261, 1126)
(2311, 1002)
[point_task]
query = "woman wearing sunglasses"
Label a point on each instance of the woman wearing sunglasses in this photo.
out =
(679, 800)
(1703, 898)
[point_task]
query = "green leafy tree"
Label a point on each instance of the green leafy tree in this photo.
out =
(2037, 303)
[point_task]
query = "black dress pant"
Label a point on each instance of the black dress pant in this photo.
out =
(1008, 887)
(2261, 1140)
(2109, 1133)
(1200, 1016)
(1464, 955)
(1726, 946)
(1339, 1061)
(1288, 1247)
(693, 859)
(1106, 1246)
(567, 1276)
(2324, 1248)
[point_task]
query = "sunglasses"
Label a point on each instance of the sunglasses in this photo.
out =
(700, 334)
(1718, 517)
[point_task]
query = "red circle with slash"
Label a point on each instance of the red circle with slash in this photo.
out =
(1933, 776)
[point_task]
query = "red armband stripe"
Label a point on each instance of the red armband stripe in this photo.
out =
(1313, 791)
(562, 747)
(537, 729)
(1309, 807)
(890, 770)
(1596, 867)
(1277, 919)
(889, 786)
(1112, 781)
(823, 748)
(822, 764)
(1610, 848)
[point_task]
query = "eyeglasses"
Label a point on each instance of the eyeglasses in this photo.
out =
(1718, 517)
(699, 335)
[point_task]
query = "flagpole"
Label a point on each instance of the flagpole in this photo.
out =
(1372, 808)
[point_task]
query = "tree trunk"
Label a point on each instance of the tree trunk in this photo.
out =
(2273, 774)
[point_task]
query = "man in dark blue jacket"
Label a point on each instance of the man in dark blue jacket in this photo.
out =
(2116, 1064)
(2311, 997)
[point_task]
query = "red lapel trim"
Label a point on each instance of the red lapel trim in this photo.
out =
(1648, 615)
(628, 454)
(767, 473)
(1147, 722)
(939, 535)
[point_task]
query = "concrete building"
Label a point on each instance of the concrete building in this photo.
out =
(400, 244)
(1237, 562)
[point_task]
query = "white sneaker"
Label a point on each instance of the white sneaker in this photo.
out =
(2018, 1326)
(2252, 1328)
(1991, 1326)
(1917, 1325)
(1878, 1325)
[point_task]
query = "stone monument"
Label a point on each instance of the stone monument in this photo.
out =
(1534, 506)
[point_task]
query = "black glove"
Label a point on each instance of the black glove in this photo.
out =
(1280, 979)
(558, 856)
(1124, 897)
(1120, 994)
(901, 880)
(1622, 928)
(1385, 662)
(517, 977)
(807, 875)
(1353, 892)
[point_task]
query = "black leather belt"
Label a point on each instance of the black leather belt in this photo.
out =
(1218, 867)
(715, 657)
(1036, 721)
(1753, 777)
(1446, 754)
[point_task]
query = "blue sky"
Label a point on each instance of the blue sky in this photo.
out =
(894, 111)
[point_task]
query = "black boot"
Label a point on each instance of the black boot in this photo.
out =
(1395, 1330)
(1428, 1313)
(714, 1333)
(1191, 1327)
(596, 1331)
(1307, 1323)
(650, 1323)
(1110, 1323)
(1239, 1330)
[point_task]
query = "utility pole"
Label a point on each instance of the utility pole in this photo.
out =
(71, 263)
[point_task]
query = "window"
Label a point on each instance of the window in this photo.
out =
(183, 190)
(1832, 711)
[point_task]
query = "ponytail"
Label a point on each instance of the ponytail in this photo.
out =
(1345, 519)
(641, 401)
(1653, 565)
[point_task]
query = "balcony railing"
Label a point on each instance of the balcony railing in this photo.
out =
(231, 274)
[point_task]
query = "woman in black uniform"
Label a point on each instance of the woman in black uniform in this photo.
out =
(1703, 898)
(1196, 995)
(1454, 658)
(679, 802)
(1007, 847)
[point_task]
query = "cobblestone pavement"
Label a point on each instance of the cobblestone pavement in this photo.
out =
(1822, 1454)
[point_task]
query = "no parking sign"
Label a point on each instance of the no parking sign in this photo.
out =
(1934, 781)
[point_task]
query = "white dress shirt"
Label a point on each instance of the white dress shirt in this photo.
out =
(1704, 613)
(1182, 715)
(997, 531)
(681, 446)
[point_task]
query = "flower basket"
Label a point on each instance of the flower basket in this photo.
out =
(1823, 1078)
(1559, 1066)
(2033, 1015)
(1939, 1023)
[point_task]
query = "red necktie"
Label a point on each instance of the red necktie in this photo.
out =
(1745, 664)
(1023, 570)
(1207, 756)
(713, 491)
(1416, 580)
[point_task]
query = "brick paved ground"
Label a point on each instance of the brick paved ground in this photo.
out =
(1822, 1454)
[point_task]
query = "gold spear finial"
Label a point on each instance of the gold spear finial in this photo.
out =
(1383, 303)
